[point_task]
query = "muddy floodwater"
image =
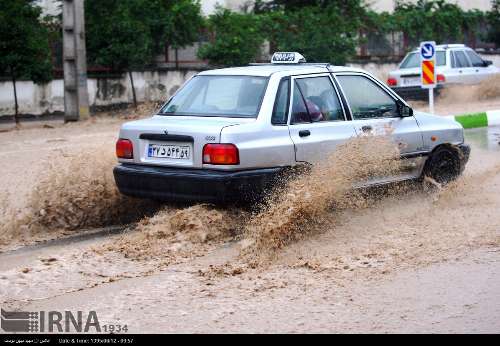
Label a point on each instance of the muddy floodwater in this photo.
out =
(486, 138)
(409, 258)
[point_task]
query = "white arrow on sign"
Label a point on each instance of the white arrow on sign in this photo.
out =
(427, 50)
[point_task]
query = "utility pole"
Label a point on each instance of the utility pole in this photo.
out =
(76, 97)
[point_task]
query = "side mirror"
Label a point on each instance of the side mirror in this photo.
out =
(404, 110)
(488, 63)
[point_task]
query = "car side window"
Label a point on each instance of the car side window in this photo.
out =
(280, 110)
(367, 99)
(320, 99)
(299, 111)
(453, 59)
(475, 59)
(461, 59)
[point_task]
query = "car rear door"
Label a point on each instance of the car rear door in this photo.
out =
(317, 120)
(374, 110)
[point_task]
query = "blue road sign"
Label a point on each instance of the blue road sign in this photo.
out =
(427, 51)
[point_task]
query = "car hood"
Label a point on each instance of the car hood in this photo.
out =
(444, 129)
(438, 120)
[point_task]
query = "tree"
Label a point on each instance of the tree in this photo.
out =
(322, 34)
(238, 38)
(324, 30)
(494, 22)
(117, 37)
(185, 25)
(127, 34)
(173, 22)
(24, 47)
(294, 5)
(434, 20)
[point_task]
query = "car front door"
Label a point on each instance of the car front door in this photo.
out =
(481, 70)
(318, 120)
(375, 111)
(462, 70)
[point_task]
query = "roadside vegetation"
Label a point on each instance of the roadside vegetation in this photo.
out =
(126, 35)
(331, 30)
(24, 44)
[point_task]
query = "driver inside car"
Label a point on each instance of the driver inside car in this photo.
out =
(306, 109)
(314, 111)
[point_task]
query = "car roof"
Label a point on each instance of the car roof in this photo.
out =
(444, 47)
(266, 70)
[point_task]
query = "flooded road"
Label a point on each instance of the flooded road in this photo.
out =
(417, 260)
(486, 138)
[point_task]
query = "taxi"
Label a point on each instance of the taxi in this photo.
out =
(229, 134)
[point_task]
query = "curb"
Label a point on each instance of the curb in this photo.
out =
(474, 120)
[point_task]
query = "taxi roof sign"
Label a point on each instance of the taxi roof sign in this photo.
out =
(287, 58)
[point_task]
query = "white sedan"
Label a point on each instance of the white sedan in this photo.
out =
(455, 64)
(228, 133)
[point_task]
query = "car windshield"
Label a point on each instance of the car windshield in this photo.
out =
(412, 60)
(221, 96)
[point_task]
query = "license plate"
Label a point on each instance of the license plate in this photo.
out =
(411, 81)
(169, 151)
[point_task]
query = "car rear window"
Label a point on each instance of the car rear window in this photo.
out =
(412, 60)
(221, 96)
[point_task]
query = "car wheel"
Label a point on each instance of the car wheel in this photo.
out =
(443, 166)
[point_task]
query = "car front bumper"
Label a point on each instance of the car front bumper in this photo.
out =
(192, 185)
(465, 154)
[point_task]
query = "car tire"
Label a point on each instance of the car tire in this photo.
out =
(443, 166)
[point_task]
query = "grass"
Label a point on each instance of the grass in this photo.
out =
(474, 120)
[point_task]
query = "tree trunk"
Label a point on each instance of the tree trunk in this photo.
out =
(16, 114)
(133, 88)
(176, 59)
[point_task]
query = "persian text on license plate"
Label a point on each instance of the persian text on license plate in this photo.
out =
(411, 81)
(168, 151)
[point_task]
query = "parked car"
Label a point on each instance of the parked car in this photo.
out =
(455, 64)
(228, 133)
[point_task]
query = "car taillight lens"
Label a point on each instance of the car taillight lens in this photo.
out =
(441, 78)
(124, 149)
(221, 154)
(392, 82)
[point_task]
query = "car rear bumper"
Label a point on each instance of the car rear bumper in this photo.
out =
(415, 92)
(192, 185)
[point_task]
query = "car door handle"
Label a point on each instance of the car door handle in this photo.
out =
(304, 133)
(367, 128)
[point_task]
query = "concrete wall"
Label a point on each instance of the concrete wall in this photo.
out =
(150, 86)
(49, 98)
(379, 70)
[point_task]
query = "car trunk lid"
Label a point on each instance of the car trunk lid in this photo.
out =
(175, 141)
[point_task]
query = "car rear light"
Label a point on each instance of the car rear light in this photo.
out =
(221, 154)
(441, 78)
(124, 149)
(392, 82)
